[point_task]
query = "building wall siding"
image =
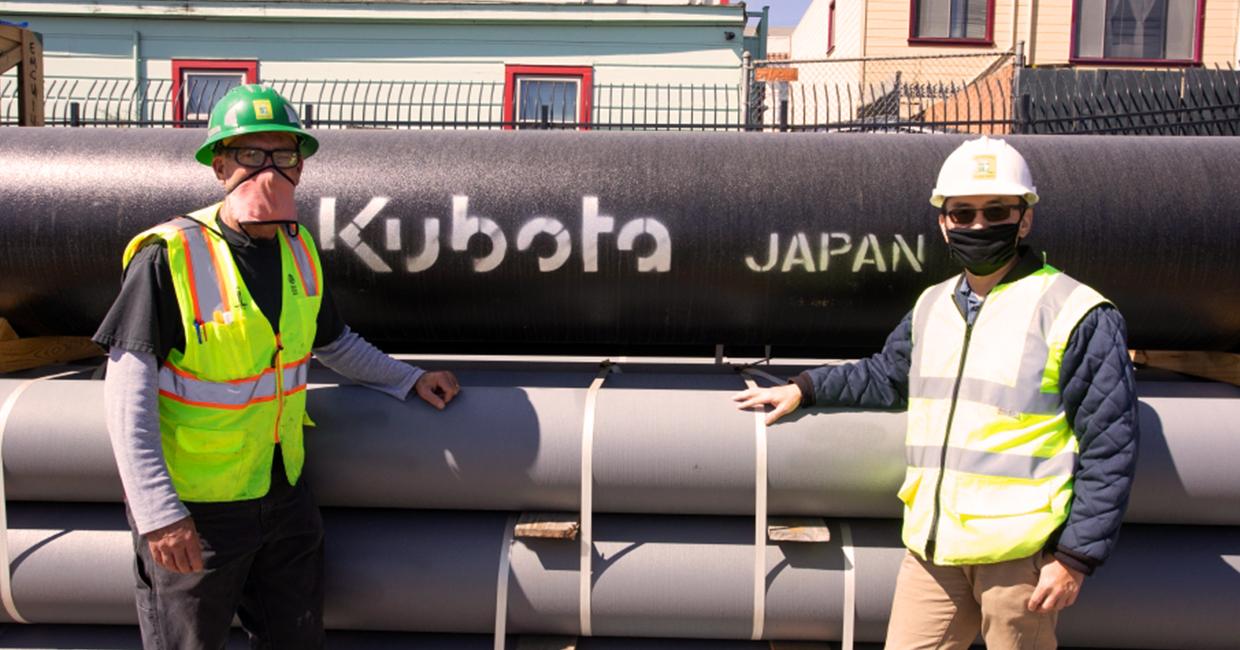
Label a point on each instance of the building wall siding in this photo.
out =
(620, 54)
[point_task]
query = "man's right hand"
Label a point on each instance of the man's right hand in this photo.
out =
(784, 398)
(176, 547)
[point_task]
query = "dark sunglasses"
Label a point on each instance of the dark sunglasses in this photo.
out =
(963, 216)
(254, 158)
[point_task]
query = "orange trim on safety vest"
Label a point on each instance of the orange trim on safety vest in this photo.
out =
(189, 264)
(219, 272)
(243, 380)
(309, 262)
(231, 407)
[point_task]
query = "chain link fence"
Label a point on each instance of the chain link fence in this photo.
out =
(970, 93)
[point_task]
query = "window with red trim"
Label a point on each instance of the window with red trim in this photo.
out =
(948, 22)
(544, 95)
(831, 27)
(1137, 31)
(197, 85)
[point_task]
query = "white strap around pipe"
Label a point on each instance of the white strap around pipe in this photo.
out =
(757, 372)
(6, 576)
(587, 499)
(759, 520)
(850, 586)
(501, 584)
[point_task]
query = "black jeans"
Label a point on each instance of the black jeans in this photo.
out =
(262, 560)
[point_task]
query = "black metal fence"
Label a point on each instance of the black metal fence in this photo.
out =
(112, 102)
(982, 94)
(1192, 101)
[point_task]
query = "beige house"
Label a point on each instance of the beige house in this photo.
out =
(871, 61)
(1086, 33)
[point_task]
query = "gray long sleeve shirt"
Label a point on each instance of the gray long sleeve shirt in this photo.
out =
(131, 392)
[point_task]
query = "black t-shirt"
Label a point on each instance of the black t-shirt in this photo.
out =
(146, 317)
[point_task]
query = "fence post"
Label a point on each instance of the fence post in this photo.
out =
(307, 111)
(783, 115)
(1018, 111)
(746, 82)
(1024, 114)
(75, 114)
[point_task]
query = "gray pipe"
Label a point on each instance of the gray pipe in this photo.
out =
(666, 442)
(1165, 587)
(119, 637)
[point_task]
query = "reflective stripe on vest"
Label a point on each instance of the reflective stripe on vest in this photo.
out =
(998, 483)
(1033, 361)
(305, 268)
(207, 286)
(992, 463)
(235, 394)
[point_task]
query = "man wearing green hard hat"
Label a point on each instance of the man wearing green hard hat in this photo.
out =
(209, 344)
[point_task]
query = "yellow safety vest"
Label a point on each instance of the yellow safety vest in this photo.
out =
(991, 455)
(238, 388)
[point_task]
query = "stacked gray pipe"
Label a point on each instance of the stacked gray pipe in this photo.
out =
(118, 637)
(655, 576)
(419, 501)
(665, 442)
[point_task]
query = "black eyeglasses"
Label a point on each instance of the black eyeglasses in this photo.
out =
(963, 216)
(254, 158)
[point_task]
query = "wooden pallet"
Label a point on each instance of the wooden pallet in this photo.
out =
(1219, 366)
(18, 353)
(24, 49)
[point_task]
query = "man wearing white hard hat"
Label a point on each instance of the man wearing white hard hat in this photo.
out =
(1022, 421)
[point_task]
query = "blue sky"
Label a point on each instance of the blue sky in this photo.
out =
(784, 13)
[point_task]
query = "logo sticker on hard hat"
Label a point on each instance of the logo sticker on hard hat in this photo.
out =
(262, 109)
(984, 168)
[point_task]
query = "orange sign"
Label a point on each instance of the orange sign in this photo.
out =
(775, 74)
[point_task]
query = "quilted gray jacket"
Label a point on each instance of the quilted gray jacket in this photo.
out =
(1099, 394)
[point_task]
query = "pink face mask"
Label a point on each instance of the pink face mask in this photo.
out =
(264, 195)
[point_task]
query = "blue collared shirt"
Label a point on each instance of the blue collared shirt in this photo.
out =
(970, 303)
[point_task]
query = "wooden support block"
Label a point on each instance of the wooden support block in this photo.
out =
(1219, 366)
(22, 48)
(548, 525)
(23, 354)
(6, 331)
(30, 81)
(547, 643)
(9, 56)
(798, 529)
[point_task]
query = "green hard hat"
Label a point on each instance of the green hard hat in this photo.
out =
(253, 109)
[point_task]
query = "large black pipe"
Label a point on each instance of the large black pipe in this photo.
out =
(626, 242)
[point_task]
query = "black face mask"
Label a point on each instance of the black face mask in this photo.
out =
(984, 251)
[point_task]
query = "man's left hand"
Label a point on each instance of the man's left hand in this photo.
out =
(437, 388)
(1058, 586)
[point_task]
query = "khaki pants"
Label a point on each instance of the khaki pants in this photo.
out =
(946, 606)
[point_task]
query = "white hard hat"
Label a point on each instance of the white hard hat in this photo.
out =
(984, 167)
